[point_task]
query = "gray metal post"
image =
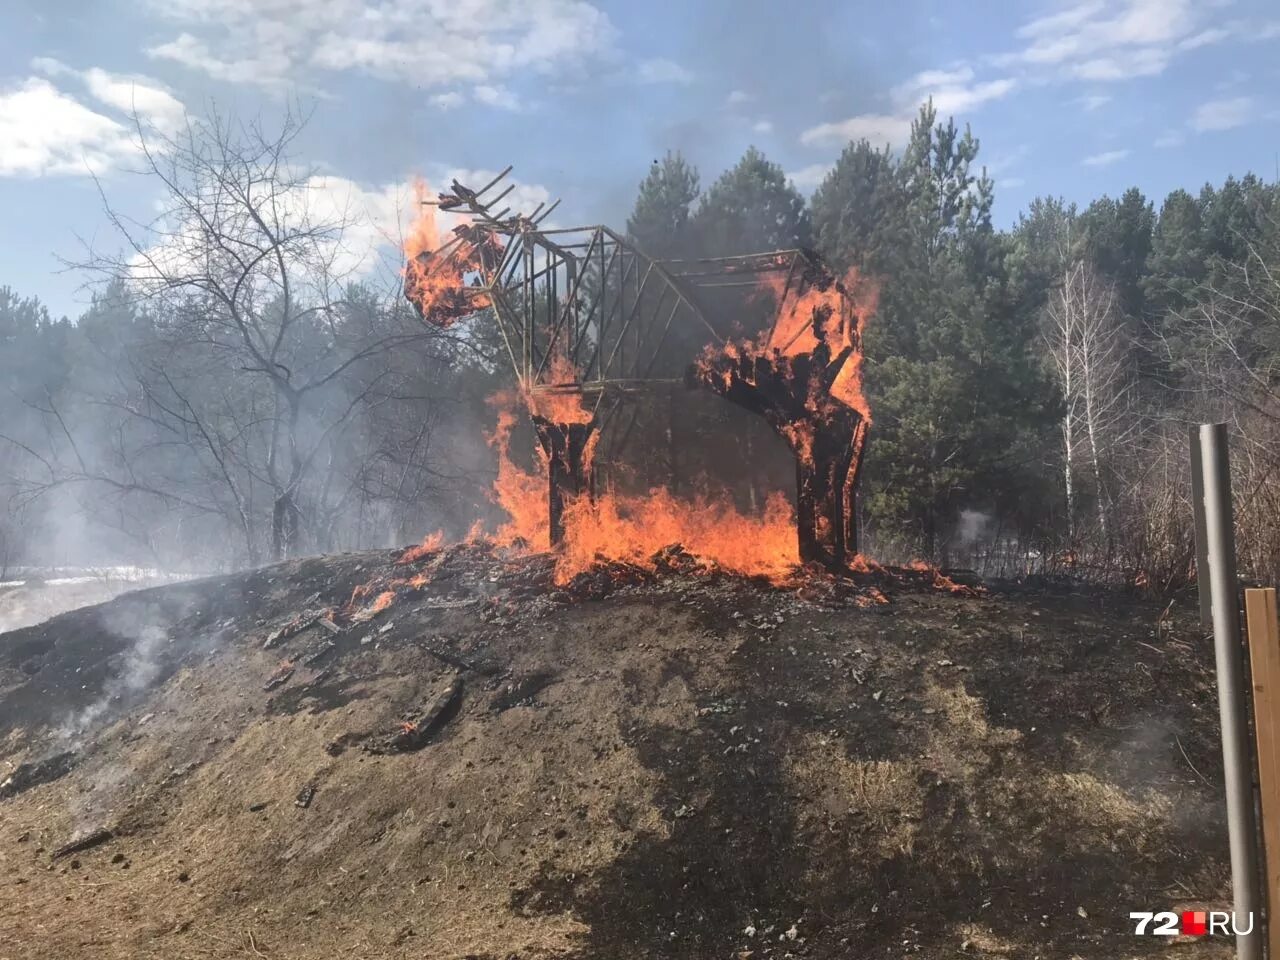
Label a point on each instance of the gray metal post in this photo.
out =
(1237, 761)
(1202, 549)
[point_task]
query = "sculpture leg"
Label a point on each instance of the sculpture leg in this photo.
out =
(568, 448)
(826, 477)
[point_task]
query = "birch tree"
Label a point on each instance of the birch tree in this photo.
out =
(1085, 336)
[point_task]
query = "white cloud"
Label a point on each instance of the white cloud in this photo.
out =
(943, 78)
(664, 71)
(136, 95)
(1204, 38)
(1094, 27)
(737, 98)
(1100, 41)
(878, 128)
(495, 96)
(952, 92)
(447, 101)
(1105, 159)
(1222, 114)
(379, 216)
(376, 218)
(1056, 24)
(1148, 62)
(808, 178)
(961, 99)
(45, 131)
(523, 199)
(263, 69)
(128, 93)
(1094, 101)
(762, 127)
(1115, 41)
(431, 44)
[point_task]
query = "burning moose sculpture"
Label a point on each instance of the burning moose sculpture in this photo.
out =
(584, 315)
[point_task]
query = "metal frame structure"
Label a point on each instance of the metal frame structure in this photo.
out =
(583, 311)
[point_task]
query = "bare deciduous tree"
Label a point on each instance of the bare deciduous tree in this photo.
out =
(1085, 336)
(1226, 346)
(258, 346)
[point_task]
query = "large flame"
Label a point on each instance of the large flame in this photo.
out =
(436, 271)
(618, 527)
(818, 328)
(521, 494)
(558, 398)
(836, 312)
(635, 529)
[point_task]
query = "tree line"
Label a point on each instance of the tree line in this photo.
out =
(233, 395)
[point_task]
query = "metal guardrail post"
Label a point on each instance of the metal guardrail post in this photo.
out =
(1237, 759)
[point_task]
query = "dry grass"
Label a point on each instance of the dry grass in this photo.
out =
(879, 799)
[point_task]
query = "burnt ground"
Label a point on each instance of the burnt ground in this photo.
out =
(679, 766)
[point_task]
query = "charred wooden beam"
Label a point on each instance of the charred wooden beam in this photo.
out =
(95, 839)
(416, 733)
(568, 448)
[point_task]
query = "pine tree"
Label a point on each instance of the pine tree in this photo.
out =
(1117, 234)
(856, 209)
(752, 208)
(1177, 263)
(659, 222)
(957, 399)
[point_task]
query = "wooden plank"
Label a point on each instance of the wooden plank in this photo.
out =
(1264, 661)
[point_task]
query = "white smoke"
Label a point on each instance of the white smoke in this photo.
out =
(139, 665)
(972, 527)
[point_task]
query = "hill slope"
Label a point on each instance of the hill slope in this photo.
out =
(675, 766)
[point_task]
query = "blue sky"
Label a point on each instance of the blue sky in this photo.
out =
(1068, 98)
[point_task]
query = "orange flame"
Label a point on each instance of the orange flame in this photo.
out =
(633, 529)
(818, 312)
(837, 311)
(563, 405)
(429, 545)
(871, 597)
(940, 580)
(435, 272)
(521, 494)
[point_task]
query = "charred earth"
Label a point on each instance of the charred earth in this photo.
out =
(454, 757)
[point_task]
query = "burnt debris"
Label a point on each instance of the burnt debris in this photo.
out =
(28, 775)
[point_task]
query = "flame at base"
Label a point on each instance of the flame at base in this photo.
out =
(429, 545)
(633, 528)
